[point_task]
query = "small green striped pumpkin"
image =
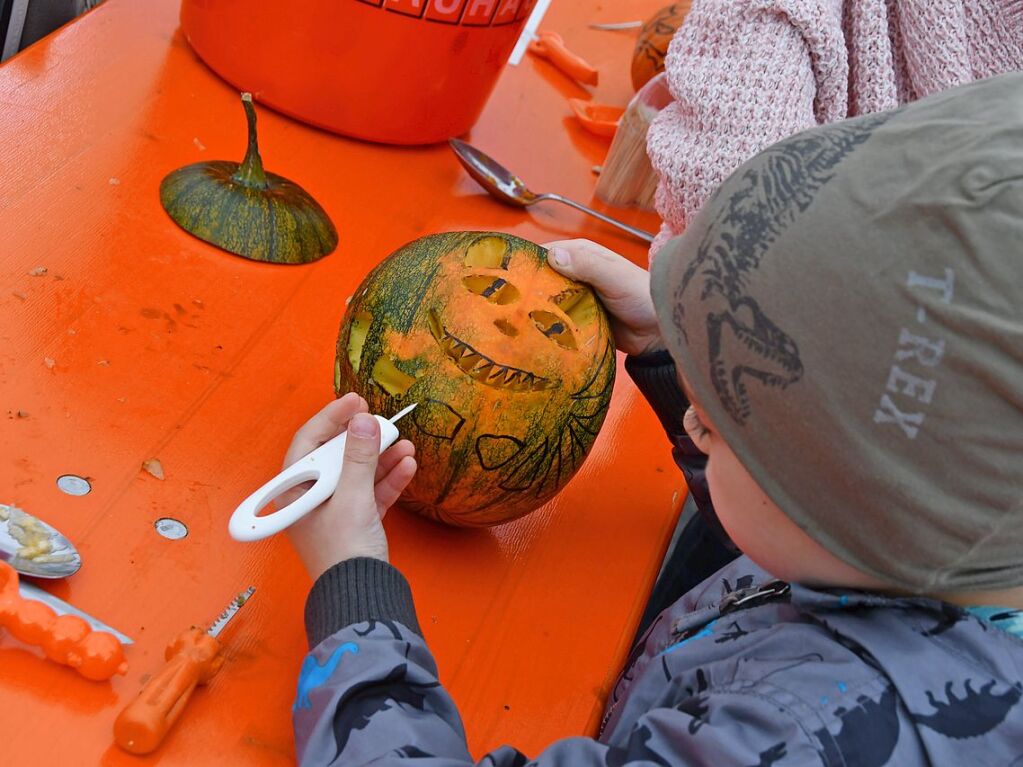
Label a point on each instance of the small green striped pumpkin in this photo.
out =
(246, 210)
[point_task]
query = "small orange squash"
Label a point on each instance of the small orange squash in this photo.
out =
(511, 365)
(652, 45)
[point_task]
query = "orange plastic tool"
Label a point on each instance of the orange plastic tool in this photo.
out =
(193, 658)
(550, 46)
(599, 119)
(66, 639)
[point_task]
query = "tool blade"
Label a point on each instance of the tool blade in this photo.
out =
(402, 413)
(229, 613)
(59, 606)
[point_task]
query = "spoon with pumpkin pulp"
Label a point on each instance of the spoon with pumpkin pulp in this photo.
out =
(32, 547)
(246, 210)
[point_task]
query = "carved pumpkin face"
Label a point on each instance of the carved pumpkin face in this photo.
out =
(510, 363)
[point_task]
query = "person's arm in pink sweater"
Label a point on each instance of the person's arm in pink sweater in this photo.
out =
(744, 74)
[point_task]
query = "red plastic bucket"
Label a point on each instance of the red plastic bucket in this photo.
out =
(396, 71)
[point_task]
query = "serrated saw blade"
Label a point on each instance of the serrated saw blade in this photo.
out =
(229, 613)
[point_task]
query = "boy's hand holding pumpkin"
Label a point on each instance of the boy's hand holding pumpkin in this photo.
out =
(623, 288)
(349, 525)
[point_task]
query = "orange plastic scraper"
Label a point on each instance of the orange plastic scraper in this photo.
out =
(550, 46)
(192, 659)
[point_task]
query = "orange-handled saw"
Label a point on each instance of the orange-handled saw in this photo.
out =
(193, 658)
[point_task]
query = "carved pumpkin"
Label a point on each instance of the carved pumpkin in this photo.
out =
(246, 210)
(652, 45)
(511, 365)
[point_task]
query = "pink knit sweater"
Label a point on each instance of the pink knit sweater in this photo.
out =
(747, 73)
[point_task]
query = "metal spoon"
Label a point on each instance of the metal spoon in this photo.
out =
(34, 548)
(505, 186)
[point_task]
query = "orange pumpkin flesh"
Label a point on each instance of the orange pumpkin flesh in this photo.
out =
(511, 365)
(652, 45)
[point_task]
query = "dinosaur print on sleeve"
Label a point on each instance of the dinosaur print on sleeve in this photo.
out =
(314, 675)
(972, 714)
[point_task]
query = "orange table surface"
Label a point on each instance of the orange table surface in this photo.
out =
(142, 342)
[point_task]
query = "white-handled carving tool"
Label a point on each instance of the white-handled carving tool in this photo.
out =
(322, 466)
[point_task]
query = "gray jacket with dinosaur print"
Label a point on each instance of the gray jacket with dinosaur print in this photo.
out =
(743, 671)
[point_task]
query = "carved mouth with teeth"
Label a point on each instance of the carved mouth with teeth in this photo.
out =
(480, 367)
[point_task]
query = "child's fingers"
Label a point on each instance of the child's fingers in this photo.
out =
(392, 455)
(613, 276)
(325, 425)
(391, 486)
(362, 450)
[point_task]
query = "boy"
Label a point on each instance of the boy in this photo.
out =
(845, 318)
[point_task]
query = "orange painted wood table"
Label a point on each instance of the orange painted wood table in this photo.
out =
(124, 339)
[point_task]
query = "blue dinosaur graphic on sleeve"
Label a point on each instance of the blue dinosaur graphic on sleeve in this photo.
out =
(314, 675)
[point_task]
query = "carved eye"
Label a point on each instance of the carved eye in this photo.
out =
(497, 290)
(552, 326)
(578, 304)
(357, 338)
(489, 253)
(391, 378)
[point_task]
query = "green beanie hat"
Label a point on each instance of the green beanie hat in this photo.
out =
(848, 310)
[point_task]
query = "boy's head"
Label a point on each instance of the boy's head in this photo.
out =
(847, 312)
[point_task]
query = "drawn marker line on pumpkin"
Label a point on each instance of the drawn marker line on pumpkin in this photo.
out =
(555, 460)
(545, 466)
(438, 419)
(525, 473)
(586, 392)
(494, 451)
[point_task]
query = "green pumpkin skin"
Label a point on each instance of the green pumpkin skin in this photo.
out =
(280, 224)
(486, 454)
(247, 211)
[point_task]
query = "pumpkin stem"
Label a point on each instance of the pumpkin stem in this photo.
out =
(250, 172)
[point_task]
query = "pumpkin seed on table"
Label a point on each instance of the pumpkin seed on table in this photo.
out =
(246, 210)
